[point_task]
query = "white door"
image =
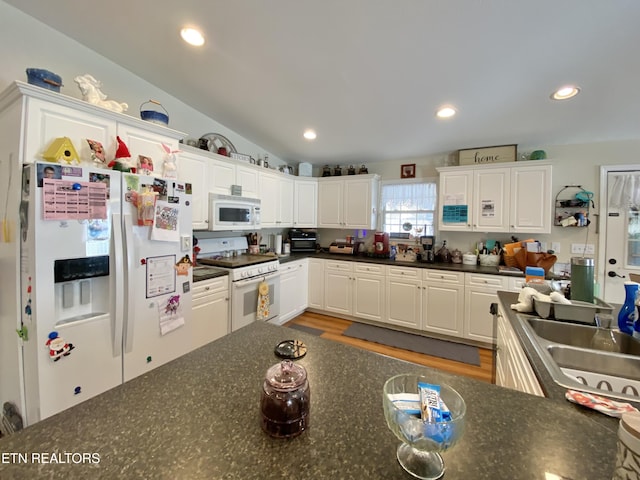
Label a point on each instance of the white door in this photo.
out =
(316, 283)
(404, 302)
(330, 204)
(455, 191)
(357, 204)
(285, 202)
(443, 308)
(193, 169)
(621, 224)
(269, 201)
(368, 296)
(221, 176)
(491, 200)
(305, 204)
(248, 179)
(337, 288)
(157, 329)
(531, 199)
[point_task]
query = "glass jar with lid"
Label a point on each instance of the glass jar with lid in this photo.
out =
(285, 400)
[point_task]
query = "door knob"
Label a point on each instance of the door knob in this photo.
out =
(612, 274)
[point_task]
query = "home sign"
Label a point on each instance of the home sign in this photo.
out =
(479, 156)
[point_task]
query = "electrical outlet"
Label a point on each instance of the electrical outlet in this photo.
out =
(581, 248)
(555, 246)
(185, 243)
(543, 246)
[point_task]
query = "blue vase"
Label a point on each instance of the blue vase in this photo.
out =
(628, 313)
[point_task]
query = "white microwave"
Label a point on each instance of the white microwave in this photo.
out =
(231, 212)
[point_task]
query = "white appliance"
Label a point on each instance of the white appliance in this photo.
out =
(246, 273)
(231, 212)
(104, 298)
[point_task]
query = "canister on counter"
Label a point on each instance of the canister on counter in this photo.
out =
(582, 279)
(628, 453)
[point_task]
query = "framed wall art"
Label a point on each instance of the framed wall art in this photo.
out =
(482, 155)
(408, 170)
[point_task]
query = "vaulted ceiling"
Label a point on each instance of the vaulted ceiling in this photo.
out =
(368, 75)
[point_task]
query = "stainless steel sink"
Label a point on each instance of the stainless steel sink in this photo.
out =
(574, 362)
(580, 335)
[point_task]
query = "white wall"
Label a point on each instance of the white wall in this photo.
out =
(27, 43)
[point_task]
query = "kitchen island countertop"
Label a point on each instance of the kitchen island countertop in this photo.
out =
(198, 417)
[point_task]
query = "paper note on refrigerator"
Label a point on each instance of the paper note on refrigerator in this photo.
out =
(170, 313)
(68, 200)
(166, 222)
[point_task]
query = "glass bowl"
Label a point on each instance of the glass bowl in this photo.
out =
(421, 440)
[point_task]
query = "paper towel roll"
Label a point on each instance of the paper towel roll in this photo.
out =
(278, 245)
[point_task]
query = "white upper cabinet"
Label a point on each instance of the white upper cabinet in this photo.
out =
(495, 198)
(531, 202)
(305, 203)
(223, 173)
(348, 202)
(276, 206)
(192, 168)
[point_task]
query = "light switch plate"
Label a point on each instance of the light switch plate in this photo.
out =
(185, 243)
(555, 246)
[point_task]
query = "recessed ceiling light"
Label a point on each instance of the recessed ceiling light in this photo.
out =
(565, 92)
(446, 111)
(192, 37)
(309, 134)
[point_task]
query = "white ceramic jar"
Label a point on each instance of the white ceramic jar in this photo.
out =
(628, 454)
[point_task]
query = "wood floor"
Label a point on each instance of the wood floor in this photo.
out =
(333, 328)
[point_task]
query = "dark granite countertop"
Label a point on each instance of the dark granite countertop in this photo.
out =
(198, 417)
(455, 267)
(206, 272)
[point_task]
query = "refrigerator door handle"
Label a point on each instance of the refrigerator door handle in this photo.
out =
(116, 220)
(128, 313)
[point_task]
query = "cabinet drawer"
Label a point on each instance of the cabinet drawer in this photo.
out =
(290, 266)
(516, 284)
(369, 268)
(443, 276)
(403, 272)
(495, 281)
(338, 265)
(209, 287)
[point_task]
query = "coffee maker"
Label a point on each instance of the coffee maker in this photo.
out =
(381, 244)
(428, 242)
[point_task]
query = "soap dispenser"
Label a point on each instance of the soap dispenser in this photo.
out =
(629, 312)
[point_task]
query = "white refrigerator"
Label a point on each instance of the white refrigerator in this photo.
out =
(105, 279)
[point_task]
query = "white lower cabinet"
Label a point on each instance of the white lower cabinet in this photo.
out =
(368, 291)
(294, 287)
(316, 283)
(337, 286)
(404, 299)
(210, 310)
(513, 369)
(480, 293)
(443, 302)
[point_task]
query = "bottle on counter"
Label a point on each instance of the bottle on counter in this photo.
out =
(629, 312)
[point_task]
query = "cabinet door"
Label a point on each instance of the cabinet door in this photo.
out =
(305, 204)
(45, 122)
(269, 200)
(285, 202)
(404, 302)
(455, 188)
(478, 321)
(337, 287)
(316, 283)
(288, 291)
(368, 296)
(443, 308)
(221, 176)
(193, 169)
(491, 200)
(302, 285)
(143, 142)
(248, 179)
(358, 210)
(330, 204)
(531, 199)
(210, 319)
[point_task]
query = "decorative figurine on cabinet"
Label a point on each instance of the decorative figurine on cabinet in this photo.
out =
(122, 162)
(90, 89)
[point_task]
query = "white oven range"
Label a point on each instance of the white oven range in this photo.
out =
(246, 273)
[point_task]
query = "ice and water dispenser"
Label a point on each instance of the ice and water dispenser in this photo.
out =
(81, 288)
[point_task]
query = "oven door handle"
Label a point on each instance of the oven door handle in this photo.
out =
(254, 280)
